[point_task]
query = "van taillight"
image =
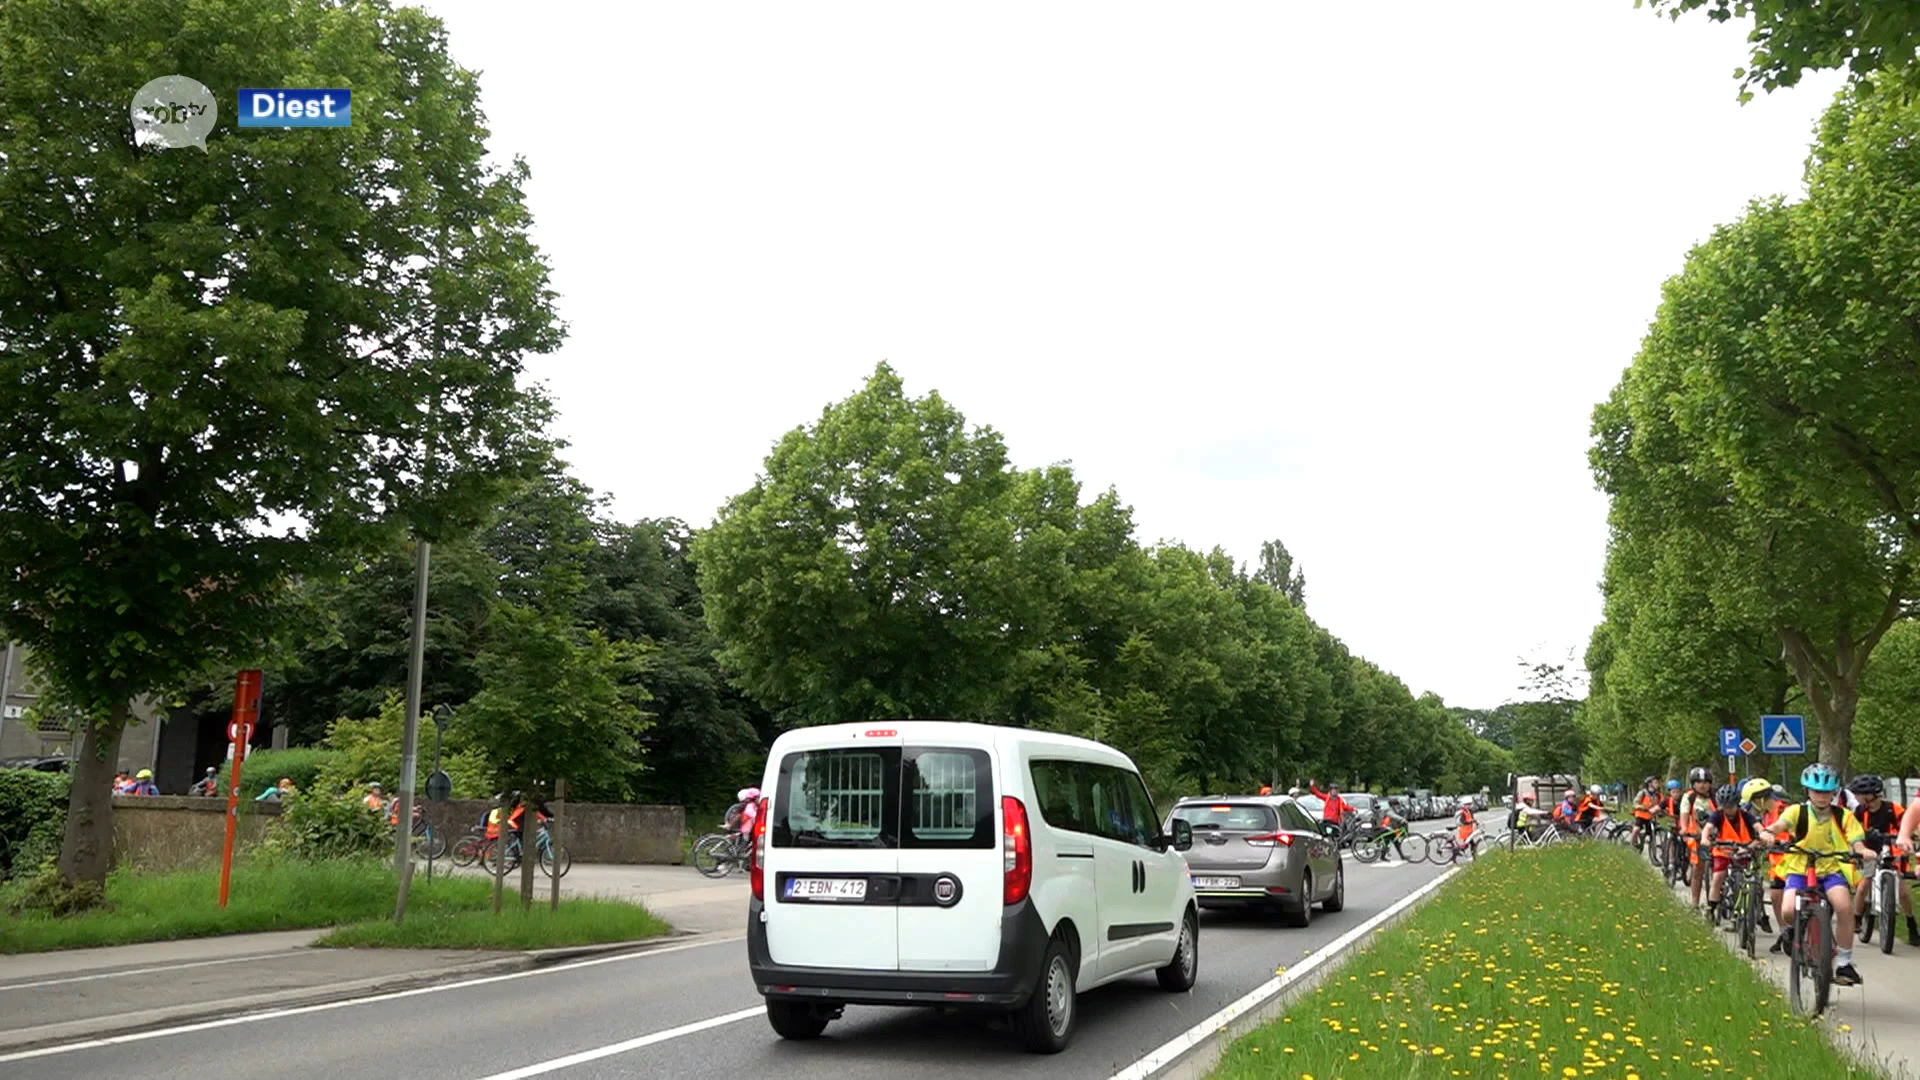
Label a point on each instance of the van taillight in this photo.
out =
(1017, 845)
(1270, 839)
(757, 853)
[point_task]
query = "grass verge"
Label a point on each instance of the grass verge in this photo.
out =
(578, 922)
(1568, 962)
(265, 894)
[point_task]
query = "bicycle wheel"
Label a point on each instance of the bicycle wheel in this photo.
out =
(467, 850)
(1415, 848)
(713, 856)
(1440, 849)
(1887, 902)
(1367, 851)
(1746, 918)
(552, 858)
(497, 851)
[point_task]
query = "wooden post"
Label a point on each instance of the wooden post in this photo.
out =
(559, 814)
(499, 850)
(529, 852)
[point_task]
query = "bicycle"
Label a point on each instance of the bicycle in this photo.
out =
(544, 850)
(1446, 848)
(1369, 849)
(1742, 897)
(1881, 901)
(1811, 949)
(718, 854)
(426, 843)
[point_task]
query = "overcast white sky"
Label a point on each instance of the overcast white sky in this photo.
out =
(1352, 276)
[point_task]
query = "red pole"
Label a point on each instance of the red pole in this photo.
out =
(246, 707)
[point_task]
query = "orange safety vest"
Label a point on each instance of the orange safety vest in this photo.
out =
(1465, 818)
(1773, 818)
(1690, 820)
(1644, 811)
(1732, 833)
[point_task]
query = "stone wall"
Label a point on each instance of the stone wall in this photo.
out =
(163, 832)
(168, 832)
(592, 832)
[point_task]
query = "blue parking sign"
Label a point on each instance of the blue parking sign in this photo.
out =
(1730, 741)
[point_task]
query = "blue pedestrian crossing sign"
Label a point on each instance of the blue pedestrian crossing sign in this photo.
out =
(1783, 734)
(1729, 741)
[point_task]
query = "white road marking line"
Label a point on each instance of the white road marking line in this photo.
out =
(1176, 1047)
(167, 969)
(301, 1010)
(584, 1056)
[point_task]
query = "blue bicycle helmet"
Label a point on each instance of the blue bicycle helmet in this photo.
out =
(1673, 785)
(1819, 776)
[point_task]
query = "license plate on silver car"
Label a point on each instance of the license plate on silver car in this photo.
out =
(826, 889)
(1216, 882)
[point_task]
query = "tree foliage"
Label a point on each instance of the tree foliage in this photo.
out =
(281, 337)
(1792, 37)
(1763, 452)
(891, 562)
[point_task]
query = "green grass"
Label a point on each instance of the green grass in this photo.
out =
(578, 922)
(1564, 963)
(265, 894)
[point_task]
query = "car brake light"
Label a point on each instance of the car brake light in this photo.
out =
(1017, 845)
(1270, 839)
(881, 733)
(757, 853)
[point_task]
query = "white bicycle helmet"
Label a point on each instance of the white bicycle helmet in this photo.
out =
(748, 794)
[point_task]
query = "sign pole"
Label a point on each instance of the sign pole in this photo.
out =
(246, 706)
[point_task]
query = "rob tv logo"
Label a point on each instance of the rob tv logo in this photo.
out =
(296, 108)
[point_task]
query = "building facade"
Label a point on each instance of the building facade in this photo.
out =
(168, 745)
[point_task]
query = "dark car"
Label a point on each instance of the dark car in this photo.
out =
(39, 764)
(1261, 851)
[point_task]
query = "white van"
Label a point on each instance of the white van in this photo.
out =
(922, 862)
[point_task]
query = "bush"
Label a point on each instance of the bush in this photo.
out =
(318, 826)
(265, 767)
(367, 750)
(33, 815)
(45, 891)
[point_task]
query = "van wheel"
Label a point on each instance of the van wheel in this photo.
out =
(1338, 899)
(1180, 972)
(1301, 914)
(798, 1019)
(1045, 1022)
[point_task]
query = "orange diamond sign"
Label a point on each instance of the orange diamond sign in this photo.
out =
(1748, 746)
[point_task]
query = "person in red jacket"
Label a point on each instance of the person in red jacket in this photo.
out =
(1334, 808)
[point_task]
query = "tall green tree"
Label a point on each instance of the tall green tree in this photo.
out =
(877, 568)
(1768, 434)
(1277, 571)
(218, 390)
(1792, 37)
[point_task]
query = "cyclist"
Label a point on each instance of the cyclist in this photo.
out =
(1643, 808)
(1466, 825)
(1696, 806)
(1730, 824)
(1878, 814)
(749, 812)
(1593, 809)
(1821, 825)
(1567, 810)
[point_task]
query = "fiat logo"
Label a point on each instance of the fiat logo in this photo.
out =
(946, 890)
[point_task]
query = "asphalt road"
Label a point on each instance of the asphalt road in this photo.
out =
(645, 1006)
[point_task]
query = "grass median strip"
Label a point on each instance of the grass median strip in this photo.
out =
(264, 894)
(579, 921)
(1568, 962)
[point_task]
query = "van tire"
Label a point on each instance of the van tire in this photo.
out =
(1045, 1023)
(1337, 899)
(1301, 914)
(797, 1019)
(1184, 969)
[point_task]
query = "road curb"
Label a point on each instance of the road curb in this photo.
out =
(549, 957)
(1194, 1053)
(34, 1038)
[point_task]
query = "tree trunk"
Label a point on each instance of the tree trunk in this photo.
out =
(1834, 711)
(87, 849)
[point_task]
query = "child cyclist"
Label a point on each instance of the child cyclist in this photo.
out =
(1736, 822)
(1820, 825)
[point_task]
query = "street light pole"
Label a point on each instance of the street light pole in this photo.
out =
(410, 747)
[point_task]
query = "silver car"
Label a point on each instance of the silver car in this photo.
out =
(1261, 851)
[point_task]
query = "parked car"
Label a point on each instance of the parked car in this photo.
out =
(919, 862)
(1262, 851)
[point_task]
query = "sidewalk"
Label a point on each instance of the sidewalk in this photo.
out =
(89, 993)
(1881, 1027)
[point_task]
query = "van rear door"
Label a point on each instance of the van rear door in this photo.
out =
(952, 868)
(832, 858)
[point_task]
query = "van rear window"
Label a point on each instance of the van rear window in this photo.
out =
(884, 797)
(1237, 817)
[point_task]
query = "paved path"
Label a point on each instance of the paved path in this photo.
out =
(689, 1010)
